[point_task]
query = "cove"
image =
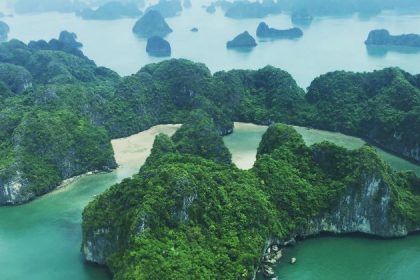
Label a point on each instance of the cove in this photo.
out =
(41, 240)
(243, 144)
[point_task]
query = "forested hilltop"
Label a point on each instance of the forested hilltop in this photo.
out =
(191, 214)
(58, 110)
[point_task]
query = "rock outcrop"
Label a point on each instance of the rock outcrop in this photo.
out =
(151, 24)
(111, 11)
(243, 40)
(98, 246)
(211, 9)
(364, 209)
(157, 46)
(4, 31)
(382, 37)
(167, 8)
(264, 31)
(246, 9)
(301, 18)
(305, 190)
(17, 78)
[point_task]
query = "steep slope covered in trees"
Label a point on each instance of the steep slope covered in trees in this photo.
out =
(186, 217)
(55, 84)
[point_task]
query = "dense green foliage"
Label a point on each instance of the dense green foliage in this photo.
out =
(199, 136)
(382, 107)
(184, 217)
(48, 78)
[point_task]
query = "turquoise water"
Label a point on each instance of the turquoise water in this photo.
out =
(41, 240)
(352, 258)
(337, 258)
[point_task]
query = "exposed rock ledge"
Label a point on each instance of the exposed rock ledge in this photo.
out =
(361, 210)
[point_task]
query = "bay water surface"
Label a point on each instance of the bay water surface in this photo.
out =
(41, 240)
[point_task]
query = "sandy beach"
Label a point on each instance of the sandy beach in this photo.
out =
(133, 150)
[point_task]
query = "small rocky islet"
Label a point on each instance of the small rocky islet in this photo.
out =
(151, 24)
(301, 18)
(111, 11)
(382, 37)
(159, 47)
(242, 41)
(264, 31)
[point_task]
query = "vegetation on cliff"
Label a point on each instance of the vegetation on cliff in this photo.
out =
(56, 78)
(195, 218)
(382, 37)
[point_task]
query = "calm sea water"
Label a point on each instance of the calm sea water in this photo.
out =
(332, 258)
(328, 44)
(41, 240)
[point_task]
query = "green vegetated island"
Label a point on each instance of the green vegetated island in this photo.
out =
(189, 213)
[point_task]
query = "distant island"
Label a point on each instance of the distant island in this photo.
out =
(4, 31)
(187, 4)
(243, 40)
(151, 24)
(66, 42)
(246, 9)
(211, 9)
(167, 8)
(157, 46)
(382, 37)
(264, 31)
(111, 11)
(301, 18)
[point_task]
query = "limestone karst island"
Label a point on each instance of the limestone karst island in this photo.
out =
(209, 139)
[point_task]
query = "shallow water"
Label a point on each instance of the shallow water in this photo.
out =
(41, 240)
(353, 258)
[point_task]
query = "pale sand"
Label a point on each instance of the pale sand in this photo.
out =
(133, 151)
(130, 154)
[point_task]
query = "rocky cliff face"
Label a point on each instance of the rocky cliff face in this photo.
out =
(157, 46)
(382, 37)
(264, 31)
(151, 24)
(243, 40)
(14, 190)
(98, 246)
(366, 208)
